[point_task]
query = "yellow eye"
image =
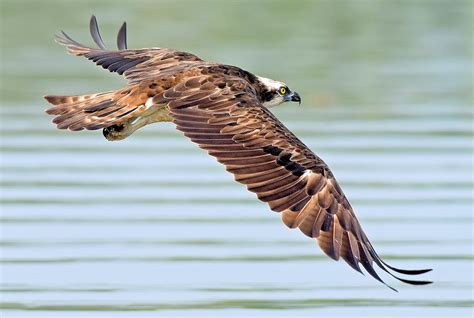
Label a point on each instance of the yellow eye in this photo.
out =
(282, 90)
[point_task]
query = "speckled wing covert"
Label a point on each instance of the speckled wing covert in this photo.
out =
(226, 119)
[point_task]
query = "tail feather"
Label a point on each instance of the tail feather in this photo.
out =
(93, 111)
(70, 100)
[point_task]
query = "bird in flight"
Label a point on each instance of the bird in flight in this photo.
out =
(225, 111)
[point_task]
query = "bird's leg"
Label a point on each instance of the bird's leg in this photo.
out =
(156, 113)
(119, 131)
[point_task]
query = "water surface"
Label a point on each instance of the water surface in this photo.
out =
(152, 226)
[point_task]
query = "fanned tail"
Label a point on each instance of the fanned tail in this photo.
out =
(92, 111)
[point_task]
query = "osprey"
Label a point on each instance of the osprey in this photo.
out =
(225, 110)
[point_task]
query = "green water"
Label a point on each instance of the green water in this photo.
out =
(152, 226)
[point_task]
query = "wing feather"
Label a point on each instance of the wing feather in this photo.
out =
(135, 65)
(94, 29)
(122, 37)
(232, 125)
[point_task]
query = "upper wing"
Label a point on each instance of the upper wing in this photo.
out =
(135, 65)
(226, 119)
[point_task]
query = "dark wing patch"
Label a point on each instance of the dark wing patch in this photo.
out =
(136, 65)
(263, 154)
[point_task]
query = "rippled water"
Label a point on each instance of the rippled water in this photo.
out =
(154, 226)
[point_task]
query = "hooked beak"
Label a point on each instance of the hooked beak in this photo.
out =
(295, 97)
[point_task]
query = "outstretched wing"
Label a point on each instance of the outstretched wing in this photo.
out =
(135, 65)
(225, 118)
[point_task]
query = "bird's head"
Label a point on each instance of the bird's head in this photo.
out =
(274, 93)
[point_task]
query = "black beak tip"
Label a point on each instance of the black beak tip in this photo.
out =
(296, 98)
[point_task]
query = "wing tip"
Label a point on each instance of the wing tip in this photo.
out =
(368, 257)
(94, 31)
(384, 266)
(407, 271)
(122, 37)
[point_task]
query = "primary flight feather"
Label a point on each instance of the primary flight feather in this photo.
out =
(225, 110)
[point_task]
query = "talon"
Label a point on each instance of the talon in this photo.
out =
(118, 127)
(114, 132)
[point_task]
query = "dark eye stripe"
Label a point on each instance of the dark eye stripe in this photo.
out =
(268, 96)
